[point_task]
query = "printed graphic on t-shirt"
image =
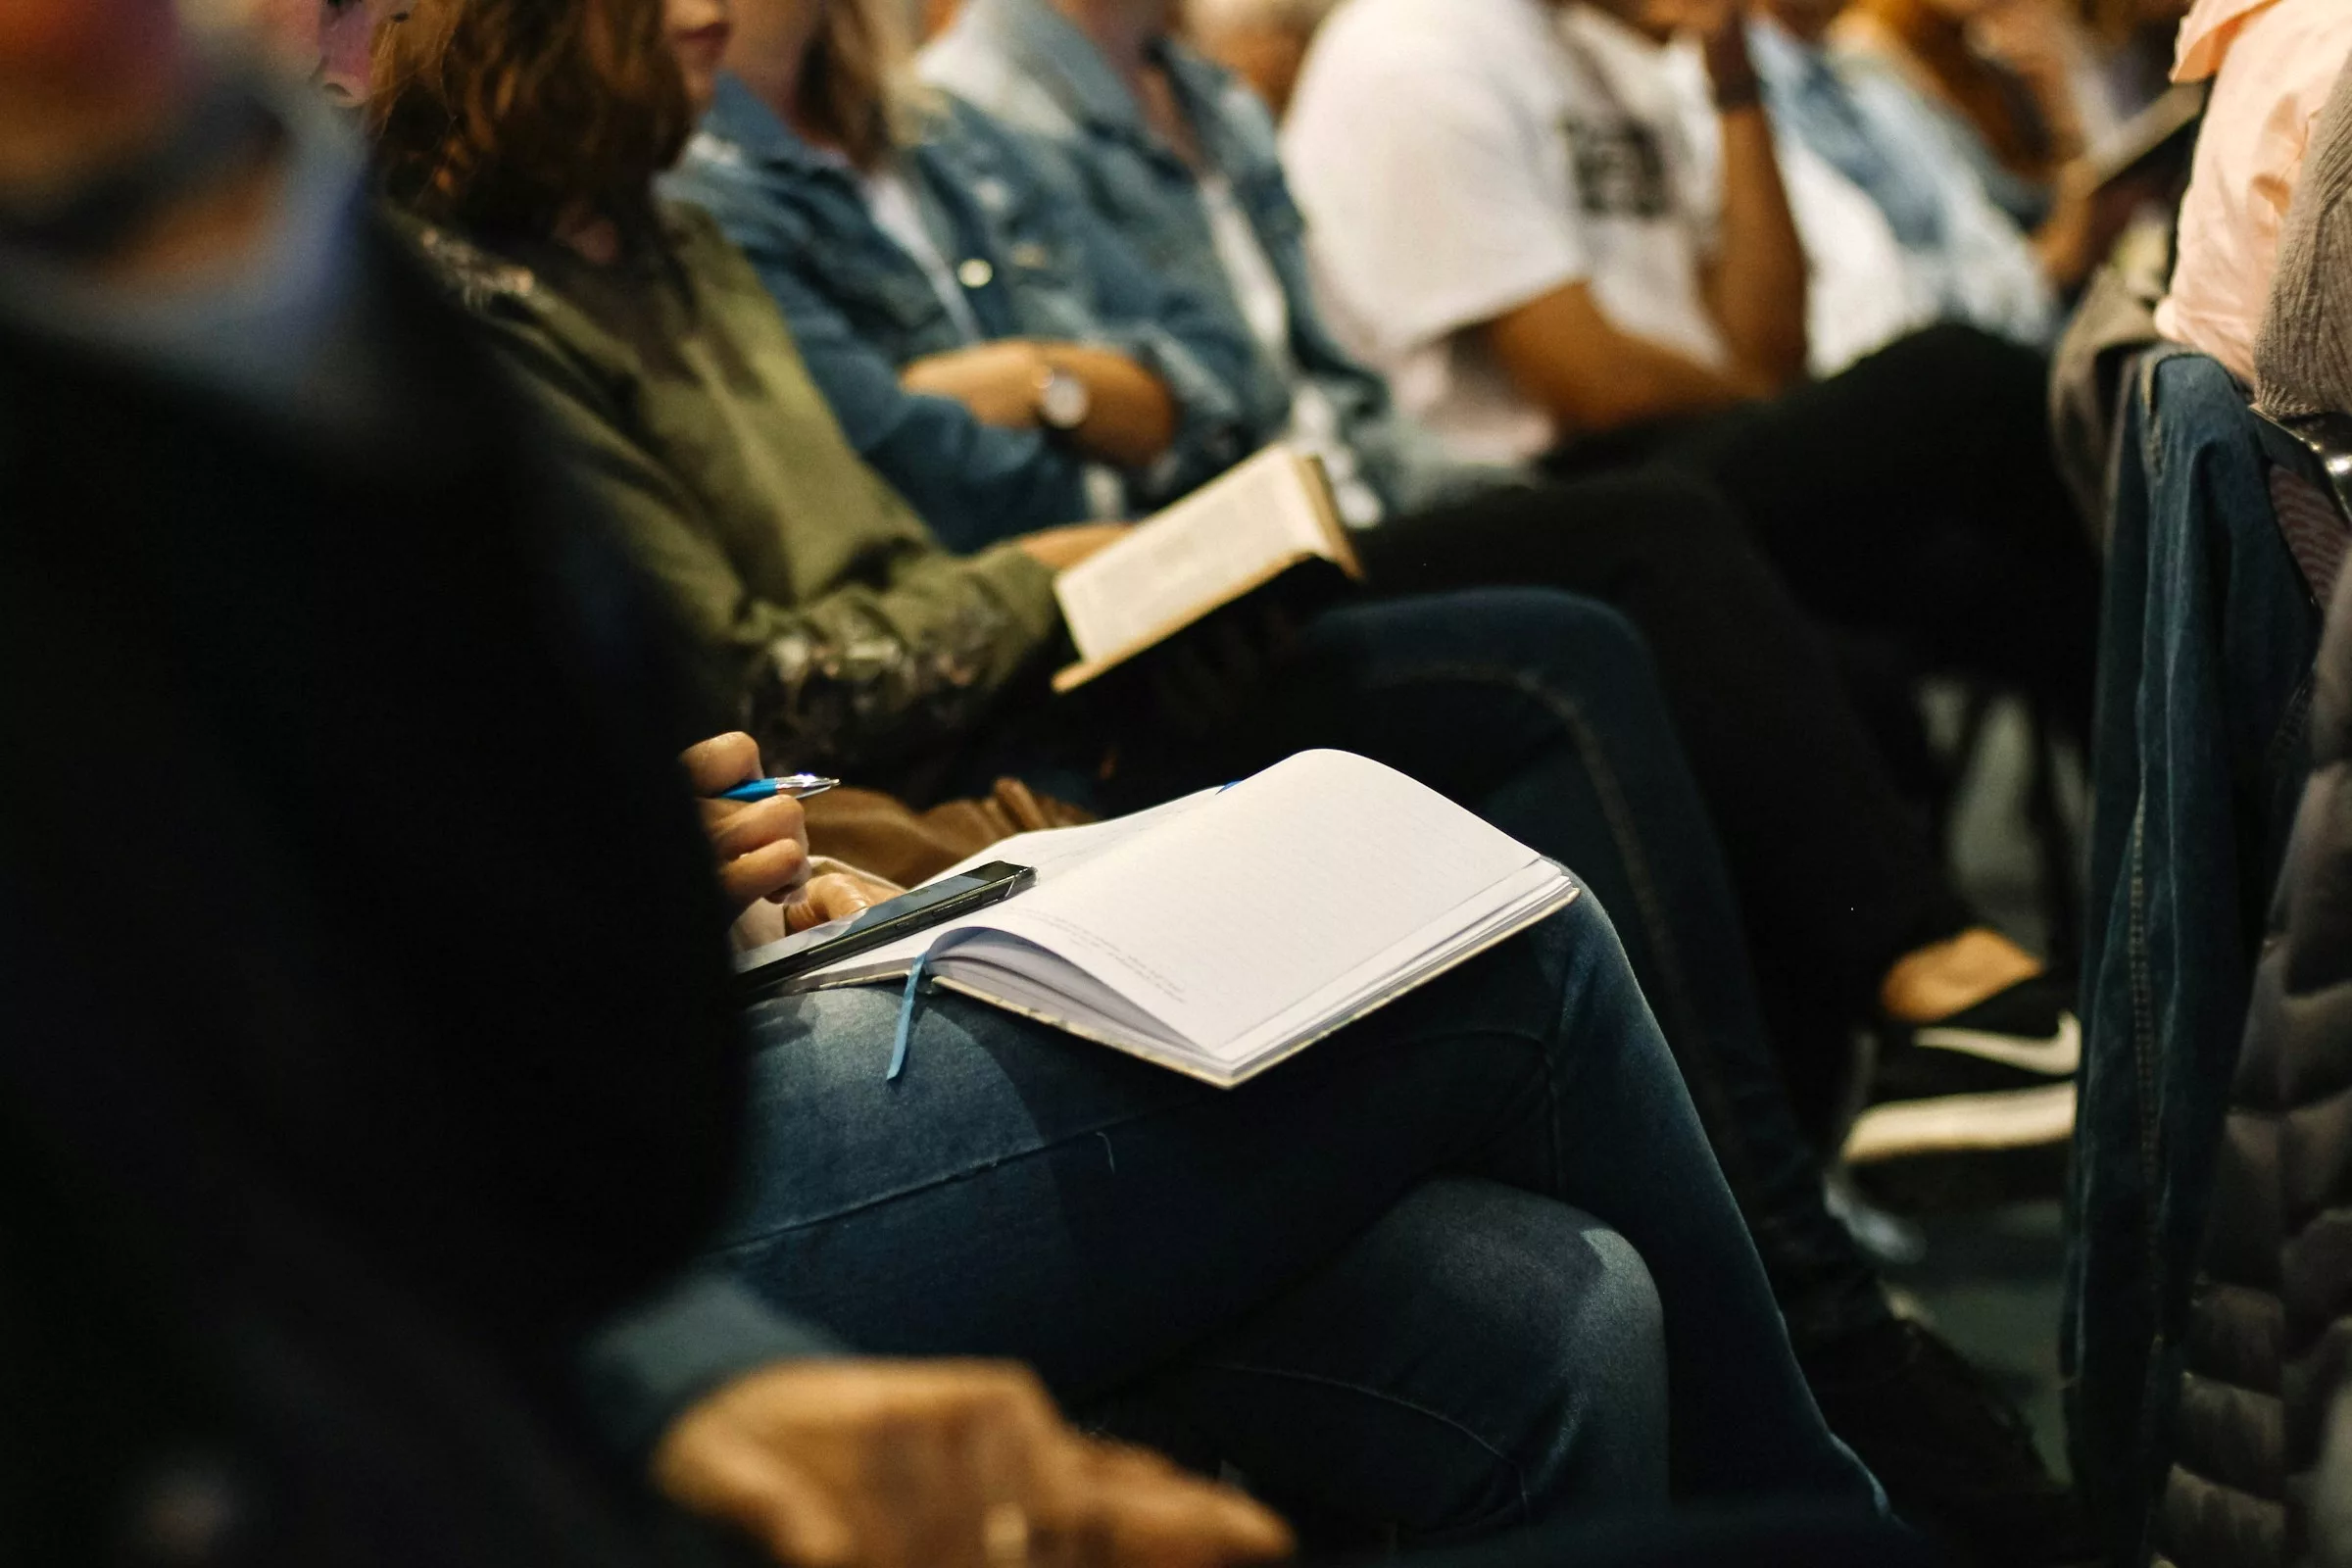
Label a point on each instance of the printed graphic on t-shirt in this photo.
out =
(1620, 168)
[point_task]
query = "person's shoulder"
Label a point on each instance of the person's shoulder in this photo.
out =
(966, 64)
(1411, 51)
(486, 284)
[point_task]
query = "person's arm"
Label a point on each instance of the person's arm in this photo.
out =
(875, 667)
(1130, 416)
(1755, 283)
(974, 481)
(1562, 354)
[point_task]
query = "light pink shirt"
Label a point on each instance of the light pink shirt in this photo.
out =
(2274, 62)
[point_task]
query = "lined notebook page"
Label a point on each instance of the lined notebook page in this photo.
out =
(1274, 890)
(1192, 554)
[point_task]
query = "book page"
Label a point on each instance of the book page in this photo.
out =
(1223, 919)
(1051, 853)
(1173, 567)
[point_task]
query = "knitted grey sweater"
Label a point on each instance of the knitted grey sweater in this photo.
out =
(2303, 353)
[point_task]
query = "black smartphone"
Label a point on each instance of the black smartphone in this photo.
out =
(766, 967)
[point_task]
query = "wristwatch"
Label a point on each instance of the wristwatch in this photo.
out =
(1062, 400)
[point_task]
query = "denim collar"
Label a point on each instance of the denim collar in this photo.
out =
(1052, 52)
(740, 120)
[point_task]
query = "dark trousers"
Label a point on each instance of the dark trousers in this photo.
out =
(1912, 497)
(1836, 872)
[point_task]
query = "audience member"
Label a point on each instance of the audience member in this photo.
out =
(308, 1203)
(1966, 256)
(2271, 64)
(2016, 78)
(930, 1270)
(1533, 292)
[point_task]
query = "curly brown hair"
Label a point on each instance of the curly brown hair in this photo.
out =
(509, 116)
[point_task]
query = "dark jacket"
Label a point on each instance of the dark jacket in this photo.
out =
(367, 1037)
(2272, 1321)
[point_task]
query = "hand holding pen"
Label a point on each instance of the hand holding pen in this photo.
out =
(757, 833)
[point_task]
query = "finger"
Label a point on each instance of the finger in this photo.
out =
(772, 872)
(765, 1496)
(1156, 1516)
(721, 763)
(835, 897)
(778, 819)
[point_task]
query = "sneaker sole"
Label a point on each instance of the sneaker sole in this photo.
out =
(1959, 1123)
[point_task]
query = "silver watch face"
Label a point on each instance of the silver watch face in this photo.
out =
(1063, 402)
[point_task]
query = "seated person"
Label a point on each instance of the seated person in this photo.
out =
(780, 547)
(1168, 1224)
(2271, 64)
(2015, 81)
(879, 342)
(1970, 260)
(1532, 293)
(310, 1204)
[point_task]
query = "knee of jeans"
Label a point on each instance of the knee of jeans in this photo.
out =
(1572, 1336)
(1593, 643)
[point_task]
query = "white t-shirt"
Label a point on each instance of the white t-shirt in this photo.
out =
(1458, 158)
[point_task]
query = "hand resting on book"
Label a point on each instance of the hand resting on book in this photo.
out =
(1063, 548)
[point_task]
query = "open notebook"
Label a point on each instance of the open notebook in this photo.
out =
(1220, 933)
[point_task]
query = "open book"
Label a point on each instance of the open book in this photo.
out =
(1220, 933)
(1227, 538)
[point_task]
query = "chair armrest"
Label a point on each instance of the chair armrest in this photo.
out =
(2316, 447)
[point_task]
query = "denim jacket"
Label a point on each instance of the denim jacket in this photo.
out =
(1030, 263)
(1023, 62)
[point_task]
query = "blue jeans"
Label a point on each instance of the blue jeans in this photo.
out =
(2207, 640)
(1401, 1275)
(1542, 711)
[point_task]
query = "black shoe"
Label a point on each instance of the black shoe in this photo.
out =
(1998, 1076)
(1955, 1456)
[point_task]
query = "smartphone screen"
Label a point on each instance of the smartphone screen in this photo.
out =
(886, 922)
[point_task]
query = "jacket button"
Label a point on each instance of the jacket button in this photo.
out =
(976, 273)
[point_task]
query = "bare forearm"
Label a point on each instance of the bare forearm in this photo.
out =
(1756, 287)
(1131, 418)
(1564, 354)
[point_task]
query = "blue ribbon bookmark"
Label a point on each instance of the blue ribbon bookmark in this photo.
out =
(916, 978)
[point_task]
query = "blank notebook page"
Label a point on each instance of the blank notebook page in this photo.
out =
(1272, 891)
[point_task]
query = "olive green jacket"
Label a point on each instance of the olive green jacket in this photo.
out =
(830, 621)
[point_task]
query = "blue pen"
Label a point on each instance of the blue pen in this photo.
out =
(800, 786)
